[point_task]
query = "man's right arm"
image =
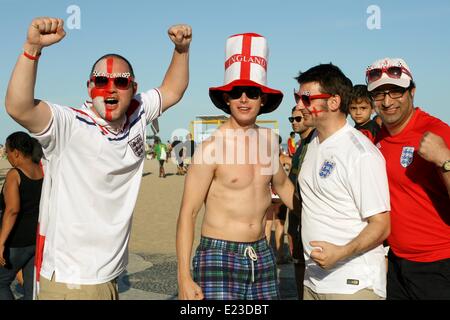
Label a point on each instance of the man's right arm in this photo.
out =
(20, 103)
(196, 186)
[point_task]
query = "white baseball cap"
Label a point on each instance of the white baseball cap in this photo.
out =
(388, 71)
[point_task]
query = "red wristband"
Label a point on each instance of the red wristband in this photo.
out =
(29, 56)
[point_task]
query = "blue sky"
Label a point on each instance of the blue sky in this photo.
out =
(300, 35)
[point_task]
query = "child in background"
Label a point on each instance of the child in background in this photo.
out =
(361, 110)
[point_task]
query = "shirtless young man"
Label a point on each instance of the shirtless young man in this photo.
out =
(231, 173)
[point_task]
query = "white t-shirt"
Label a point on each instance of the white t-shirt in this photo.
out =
(90, 189)
(342, 182)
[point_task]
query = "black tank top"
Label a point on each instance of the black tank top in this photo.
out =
(23, 233)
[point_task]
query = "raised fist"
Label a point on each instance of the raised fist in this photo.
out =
(181, 36)
(45, 31)
(433, 148)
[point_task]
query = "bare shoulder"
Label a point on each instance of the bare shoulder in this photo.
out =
(267, 134)
(264, 130)
(204, 153)
(12, 174)
(12, 177)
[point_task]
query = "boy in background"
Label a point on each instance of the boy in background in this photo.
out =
(361, 110)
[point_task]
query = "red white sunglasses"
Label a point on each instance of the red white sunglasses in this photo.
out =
(121, 83)
(306, 98)
(393, 72)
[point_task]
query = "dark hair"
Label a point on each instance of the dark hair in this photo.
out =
(115, 55)
(360, 93)
(25, 144)
(292, 133)
(331, 80)
(37, 151)
(293, 109)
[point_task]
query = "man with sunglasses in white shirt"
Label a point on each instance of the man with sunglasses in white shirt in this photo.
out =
(344, 192)
(231, 174)
(416, 148)
(95, 159)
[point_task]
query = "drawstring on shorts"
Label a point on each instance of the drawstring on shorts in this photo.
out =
(253, 257)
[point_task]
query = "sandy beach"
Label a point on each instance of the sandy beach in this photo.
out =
(156, 212)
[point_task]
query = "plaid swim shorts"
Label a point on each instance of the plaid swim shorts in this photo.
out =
(227, 270)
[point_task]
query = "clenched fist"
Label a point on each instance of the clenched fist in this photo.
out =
(44, 32)
(433, 148)
(181, 36)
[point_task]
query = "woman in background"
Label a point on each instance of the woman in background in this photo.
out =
(21, 194)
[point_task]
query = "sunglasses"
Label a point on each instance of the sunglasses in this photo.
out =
(251, 92)
(297, 119)
(306, 99)
(393, 94)
(121, 83)
(392, 72)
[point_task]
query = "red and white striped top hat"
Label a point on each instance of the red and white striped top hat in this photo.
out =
(246, 58)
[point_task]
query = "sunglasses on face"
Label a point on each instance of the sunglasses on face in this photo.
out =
(251, 92)
(121, 83)
(392, 72)
(297, 119)
(393, 94)
(306, 99)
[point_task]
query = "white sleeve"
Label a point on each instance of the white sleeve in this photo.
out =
(151, 102)
(369, 185)
(54, 138)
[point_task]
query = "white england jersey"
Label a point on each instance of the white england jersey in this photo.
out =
(90, 189)
(343, 182)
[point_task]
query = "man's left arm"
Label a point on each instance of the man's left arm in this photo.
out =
(177, 76)
(434, 149)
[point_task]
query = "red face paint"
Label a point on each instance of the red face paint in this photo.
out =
(104, 92)
(315, 111)
(109, 68)
(109, 64)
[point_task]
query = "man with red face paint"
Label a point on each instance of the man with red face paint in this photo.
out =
(344, 192)
(95, 159)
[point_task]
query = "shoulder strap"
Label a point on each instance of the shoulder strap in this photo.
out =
(22, 175)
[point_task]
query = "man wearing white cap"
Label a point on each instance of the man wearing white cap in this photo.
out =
(345, 196)
(415, 146)
(231, 173)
